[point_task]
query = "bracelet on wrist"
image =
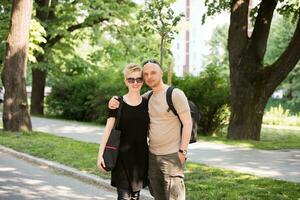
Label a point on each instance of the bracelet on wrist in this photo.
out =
(183, 151)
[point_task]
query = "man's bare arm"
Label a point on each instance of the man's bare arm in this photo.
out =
(187, 123)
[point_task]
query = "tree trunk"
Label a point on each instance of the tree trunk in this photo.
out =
(248, 101)
(45, 12)
(38, 89)
(38, 75)
(252, 84)
(15, 113)
(162, 50)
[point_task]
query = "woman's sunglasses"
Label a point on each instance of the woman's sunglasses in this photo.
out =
(132, 80)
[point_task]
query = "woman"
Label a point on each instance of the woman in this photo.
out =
(130, 174)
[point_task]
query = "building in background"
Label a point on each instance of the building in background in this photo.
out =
(190, 45)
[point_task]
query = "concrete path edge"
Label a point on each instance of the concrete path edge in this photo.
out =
(85, 177)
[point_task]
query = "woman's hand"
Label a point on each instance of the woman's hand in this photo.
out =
(113, 103)
(101, 164)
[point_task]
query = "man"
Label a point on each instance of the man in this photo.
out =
(168, 143)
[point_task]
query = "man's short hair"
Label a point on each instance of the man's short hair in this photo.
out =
(153, 61)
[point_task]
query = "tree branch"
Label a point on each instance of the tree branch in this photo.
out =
(42, 11)
(74, 2)
(237, 37)
(287, 61)
(52, 41)
(262, 28)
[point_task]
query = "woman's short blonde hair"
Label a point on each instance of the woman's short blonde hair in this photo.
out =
(131, 68)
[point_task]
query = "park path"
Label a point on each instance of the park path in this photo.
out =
(24, 180)
(278, 164)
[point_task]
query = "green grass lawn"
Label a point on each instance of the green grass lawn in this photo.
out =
(272, 137)
(80, 155)
(202, 182)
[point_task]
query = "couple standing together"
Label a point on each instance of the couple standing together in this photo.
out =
(168, 139)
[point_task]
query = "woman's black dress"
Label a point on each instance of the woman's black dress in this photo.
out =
(132, 165)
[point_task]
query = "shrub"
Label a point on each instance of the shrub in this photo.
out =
(210, 92)
(85, 98)
(292, 105)
(279, 116)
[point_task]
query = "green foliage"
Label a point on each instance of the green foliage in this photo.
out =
(37, 33)
(66, 26)
(113, 42)
(4, 26)
(85, 98)
(204, 182)
(281, 33)
(294, 108)
(215, 7)
(288, 8)
(79, 155)
(210, 92)
(118, 45)
(85, 14)
(218, 54)
(279, 116)
(158, 17)
(71, 65)
(36, 38)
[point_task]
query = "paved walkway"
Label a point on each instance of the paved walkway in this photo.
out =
(277, 164)
(24, 180)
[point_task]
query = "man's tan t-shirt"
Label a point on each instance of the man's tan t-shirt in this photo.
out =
(165, 128)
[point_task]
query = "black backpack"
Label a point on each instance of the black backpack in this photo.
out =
(195, 114)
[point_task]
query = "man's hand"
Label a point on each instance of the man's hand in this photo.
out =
(113, 103)
(182, 158)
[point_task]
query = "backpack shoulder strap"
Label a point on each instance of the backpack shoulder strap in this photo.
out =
(170, 102)
(150, 94)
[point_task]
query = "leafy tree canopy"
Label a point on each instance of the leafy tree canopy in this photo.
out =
(285, 7)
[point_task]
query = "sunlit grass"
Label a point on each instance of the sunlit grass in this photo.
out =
(272, 137)
(80, 155)
(202, 181)
(280, 116)
(213, 183)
